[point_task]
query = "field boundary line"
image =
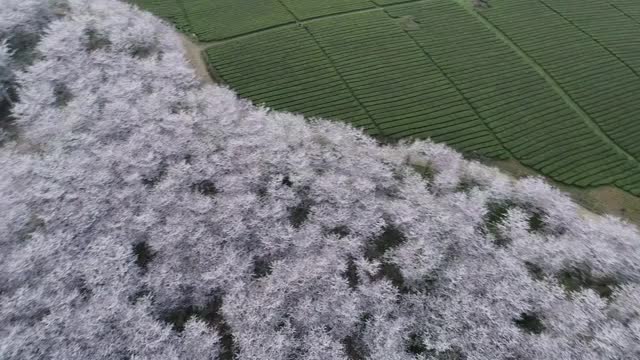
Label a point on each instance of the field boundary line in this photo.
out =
(454, 85)
(624, 13)
(590, 37)
(335, 68)
(552, 82)
(375, 7)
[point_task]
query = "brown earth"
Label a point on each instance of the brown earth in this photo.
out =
(195, 56)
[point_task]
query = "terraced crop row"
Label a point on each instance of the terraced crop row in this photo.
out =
(389, 2)
(168, 9)
(523, 110)
(211, 20)
(221, 19)
(602, 85)
(553, 83)
(285, 69)
(596, 19)
(306, 9)
(630, 8)
(403, 90)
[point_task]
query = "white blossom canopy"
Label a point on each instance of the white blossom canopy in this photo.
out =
(148, 216)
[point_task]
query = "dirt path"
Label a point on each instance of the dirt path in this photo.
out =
(195, 57)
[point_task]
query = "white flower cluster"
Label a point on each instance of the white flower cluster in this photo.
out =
(148, 216)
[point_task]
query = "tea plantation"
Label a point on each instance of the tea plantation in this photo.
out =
(554, 84)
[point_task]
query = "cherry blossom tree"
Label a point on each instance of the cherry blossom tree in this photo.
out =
(147, 215)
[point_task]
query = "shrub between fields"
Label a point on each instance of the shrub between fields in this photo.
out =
(147, 216)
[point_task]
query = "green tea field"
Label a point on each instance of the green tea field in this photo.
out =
(553, 84)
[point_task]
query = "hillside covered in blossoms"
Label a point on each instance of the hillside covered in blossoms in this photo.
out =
(146, 215)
